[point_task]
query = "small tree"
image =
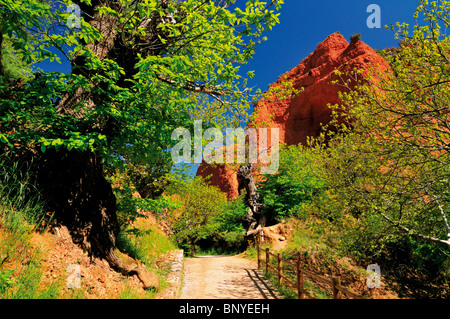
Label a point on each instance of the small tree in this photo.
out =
(296, 183)
(202, 203)
(355, 37)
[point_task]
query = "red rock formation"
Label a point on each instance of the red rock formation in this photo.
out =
(221, 176)
(303, 115)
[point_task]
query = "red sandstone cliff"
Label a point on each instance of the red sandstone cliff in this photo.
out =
(303, 115)
(221, 176)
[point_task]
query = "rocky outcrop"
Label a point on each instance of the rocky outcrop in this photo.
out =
(220, 175)
(303, 115)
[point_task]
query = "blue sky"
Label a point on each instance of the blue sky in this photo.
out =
(306, 23)
(303, 25)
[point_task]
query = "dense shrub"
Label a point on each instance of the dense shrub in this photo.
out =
(207, 220)
(295, 184)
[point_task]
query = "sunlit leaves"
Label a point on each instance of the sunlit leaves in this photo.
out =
(391, 156)
(117, 104)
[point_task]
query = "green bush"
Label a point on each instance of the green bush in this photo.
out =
(208, 221)
(355, 37)
(234, 241)
(5, 280)
(295, 184)
(201, 204)
(20, 211)
(230, 216)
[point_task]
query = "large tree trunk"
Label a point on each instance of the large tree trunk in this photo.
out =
(73, 184)
(74, 187)
(254, 220)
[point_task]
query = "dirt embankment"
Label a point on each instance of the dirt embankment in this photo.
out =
(97, 279)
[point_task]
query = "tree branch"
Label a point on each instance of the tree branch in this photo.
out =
(444, 216)
(412, 233)
(191, 86)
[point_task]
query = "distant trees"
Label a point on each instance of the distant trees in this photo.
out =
(204, 214)
(200, 206)
(296, 184)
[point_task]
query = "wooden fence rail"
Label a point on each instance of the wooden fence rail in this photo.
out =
(335, 281)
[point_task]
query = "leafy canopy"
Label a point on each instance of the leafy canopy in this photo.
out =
(139, 70)
(295, 185)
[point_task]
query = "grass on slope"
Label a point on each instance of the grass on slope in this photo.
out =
(23, 261)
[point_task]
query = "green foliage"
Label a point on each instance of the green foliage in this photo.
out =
(21, 205)
(130, 202)
(194, 67)
(175, 62)
(376, 181)
(230, 216)
(172, 61)
(20, 212)
(393, 162)
(294, 186)
(387, 172)
(5, 280)
(201, 204)
(15, 67)
(146, 245)
(228, 225)
(207, 220)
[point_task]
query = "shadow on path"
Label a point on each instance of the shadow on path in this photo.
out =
(261, 285)
(225, 277)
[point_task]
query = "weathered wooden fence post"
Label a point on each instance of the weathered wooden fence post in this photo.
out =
(258, 254)
(280, 269)
(299, 281)
(336, 280)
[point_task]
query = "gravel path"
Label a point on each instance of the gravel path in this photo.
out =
(225, 277)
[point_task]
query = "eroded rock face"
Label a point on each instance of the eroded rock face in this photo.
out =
(222, 176)
(303, 115)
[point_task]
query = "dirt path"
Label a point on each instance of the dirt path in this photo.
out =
(224, 277)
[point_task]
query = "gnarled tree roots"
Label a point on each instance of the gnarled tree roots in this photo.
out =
(129, 266)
